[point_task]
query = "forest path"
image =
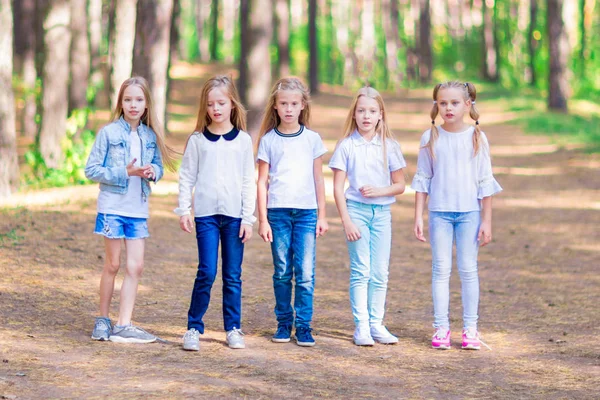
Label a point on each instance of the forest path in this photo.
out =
(539, 309)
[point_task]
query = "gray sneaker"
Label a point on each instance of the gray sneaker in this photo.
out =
(131, 334)
(191, 340)
(102, 328)
(235, 339)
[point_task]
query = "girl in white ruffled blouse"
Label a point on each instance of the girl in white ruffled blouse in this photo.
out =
(454, 169)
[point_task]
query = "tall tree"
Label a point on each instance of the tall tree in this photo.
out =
(558, 86)
(532, 41)
(389, 13)
(256, 33)
(229, 24)
(95, 34)
(25, 46)
(367, 41)
(55, 80)
(80, 55)
(283, 37)
(214, 25)
(122, 45)
(490, 59)
(151, 49)
(9, 167)
(425, 52)
(202, 12)
(313, 47)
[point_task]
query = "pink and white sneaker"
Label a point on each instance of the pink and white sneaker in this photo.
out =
(441, 339)
(470, 339)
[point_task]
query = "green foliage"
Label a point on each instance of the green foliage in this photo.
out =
(567, 128)
(76, 147)
(11, 236)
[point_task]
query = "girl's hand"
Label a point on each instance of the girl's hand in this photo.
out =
(322, 227)
(419, 230)
(352, 232)
(245, 232)
(265, 232)
(369, 191)
(142, 172)
(185, 223)
(149, 174)
(485, 233)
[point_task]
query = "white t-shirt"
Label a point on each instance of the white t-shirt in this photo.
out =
(131, 203)
(291, 160)
(364, 165)
(454, 179)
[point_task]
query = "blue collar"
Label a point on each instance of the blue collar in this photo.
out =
(291, 134)
(232, 134)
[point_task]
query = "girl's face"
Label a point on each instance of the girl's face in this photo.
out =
(289, 105)
(452, 105)
(134, 104)
(219, 106)
(367, 114)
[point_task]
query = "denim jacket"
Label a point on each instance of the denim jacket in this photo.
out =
(107, 163)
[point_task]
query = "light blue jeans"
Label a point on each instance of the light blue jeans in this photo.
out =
(369, 261)
(462, 228)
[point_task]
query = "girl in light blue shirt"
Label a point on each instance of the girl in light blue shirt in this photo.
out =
(370, 158)
(455, 171)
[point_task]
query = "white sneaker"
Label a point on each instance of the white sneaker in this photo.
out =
(362, 336)
(235, 339)
(191, 340)
(380, 334)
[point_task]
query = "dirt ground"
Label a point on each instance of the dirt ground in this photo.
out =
(540, 290)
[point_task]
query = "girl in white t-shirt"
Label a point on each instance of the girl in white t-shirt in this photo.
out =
(291, 204)
(218, 168)
(455, 170)
(370, 158)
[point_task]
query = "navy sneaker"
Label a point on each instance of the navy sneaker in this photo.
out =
(303, 336)
(283, 334)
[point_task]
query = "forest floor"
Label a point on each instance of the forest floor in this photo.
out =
(540, 289)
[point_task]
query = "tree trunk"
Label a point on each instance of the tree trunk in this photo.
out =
(313, 48)
(425, 58)
(490, 59)
(177, 50)
(151, 49)
(9, 166)
(532, 42)
(202, 9)
(229, 23)
(255, 56)
(55, 81)
(368, 45)
(283, 37)
(389, 11)
(558, 51)
(95, 35)
(80, 55)
(214, 35)
(341, 15)
(25, 46)
(122, 46)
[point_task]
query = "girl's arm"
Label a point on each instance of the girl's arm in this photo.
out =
(339, 178)
(420, 198)
(248, 194)
(188, 175)
(485, 229)
(95, 169)
(322, 225)
(157, 164)
(397, 187)
(264, 229)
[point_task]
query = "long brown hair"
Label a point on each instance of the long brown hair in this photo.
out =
(238, 112)
(148, 118)
(469, 94)
(382, 128)
(270, 118)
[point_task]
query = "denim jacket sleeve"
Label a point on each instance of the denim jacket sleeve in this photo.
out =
(96, 168)
(156, 162)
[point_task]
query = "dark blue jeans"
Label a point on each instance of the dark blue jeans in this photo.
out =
(294, 254)
(209, 230)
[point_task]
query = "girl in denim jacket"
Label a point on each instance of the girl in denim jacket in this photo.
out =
(455, 171)
(217, 177)
(127, 155)
(369, 156)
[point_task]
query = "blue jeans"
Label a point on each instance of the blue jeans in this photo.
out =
(445, 228)
(294, 254)
(369, 261)
(208, 232)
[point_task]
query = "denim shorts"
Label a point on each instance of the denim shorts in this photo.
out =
(114, 226)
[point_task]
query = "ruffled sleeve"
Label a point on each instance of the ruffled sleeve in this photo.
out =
(422, 179)
(486, 183)
(421, 182)
(488, 186)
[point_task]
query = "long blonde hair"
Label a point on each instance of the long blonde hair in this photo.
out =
(382, 129)
(270, 118)
(238, 112)
(148, 118)
(469, 94)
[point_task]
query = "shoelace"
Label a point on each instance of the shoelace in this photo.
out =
(473, 334)
(236, 330)
(440, 334)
